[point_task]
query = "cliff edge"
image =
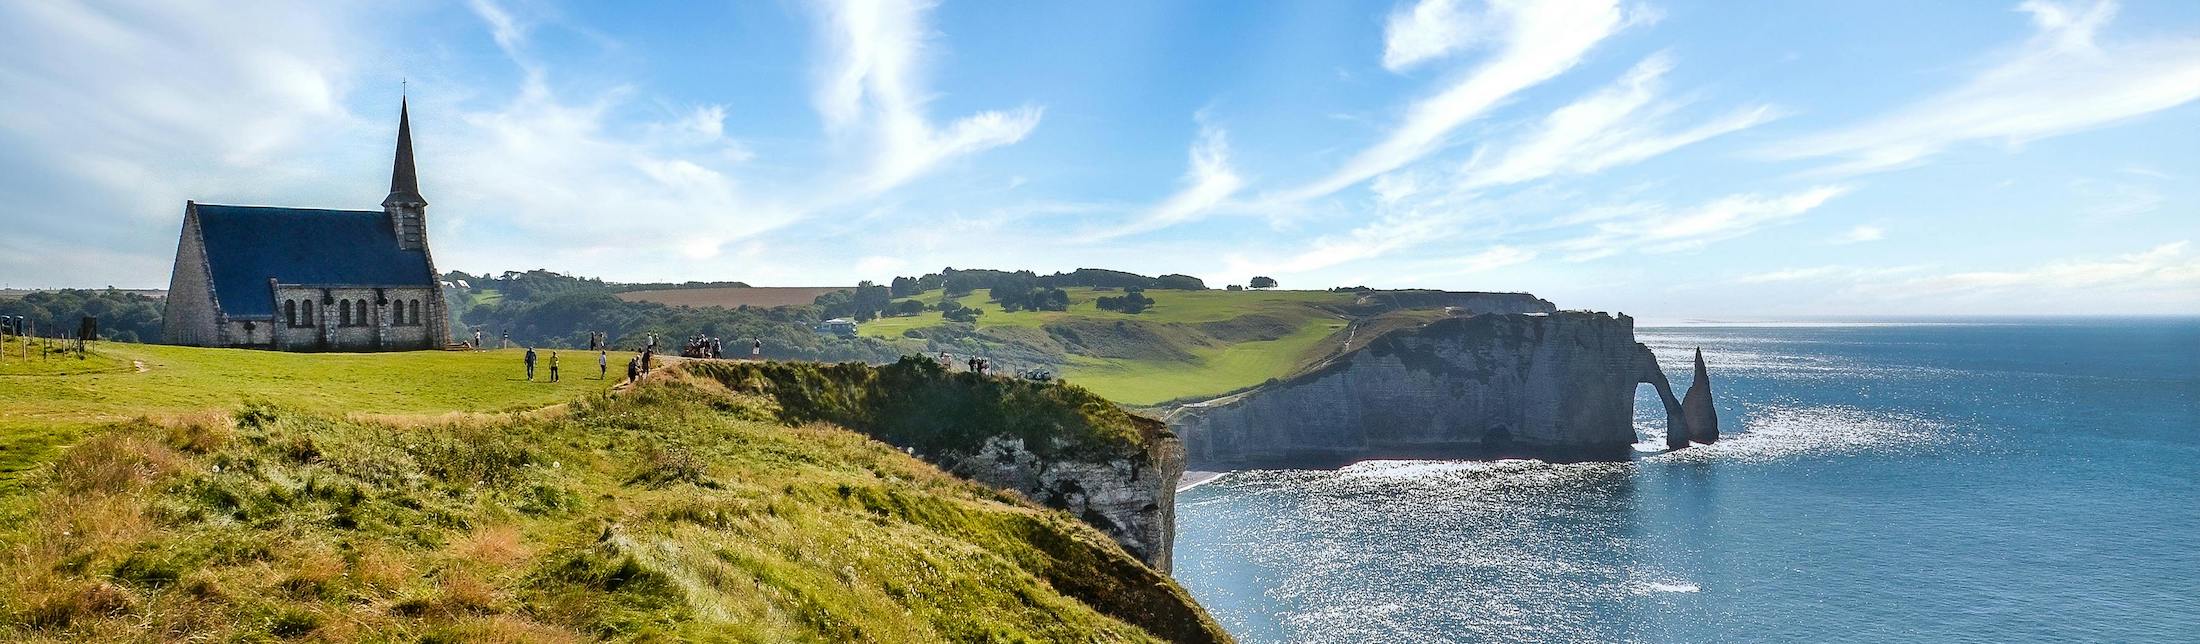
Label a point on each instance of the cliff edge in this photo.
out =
(1057, 445)
(1558, 386)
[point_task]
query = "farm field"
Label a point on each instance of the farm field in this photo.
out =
(732, 297)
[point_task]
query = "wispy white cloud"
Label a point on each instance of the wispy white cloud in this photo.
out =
(1658, 229)
(112, 115)
(1861, 233)
(872, 86)
(1823, 273)
(1428, 30)
(547, 166)
(1621, 124)
(1208, 181)
(2164, 268)
(2065, 79)
(1386, 235)
(2116, 199)
(1535, 42)
(1494, 258)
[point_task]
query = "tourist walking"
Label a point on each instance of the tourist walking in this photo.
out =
(530, 364)
(633, 368)
(648, 356)
(553, 366)
(603, 364)
(477, 339)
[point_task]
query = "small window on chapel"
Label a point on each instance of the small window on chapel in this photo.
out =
(290, 311)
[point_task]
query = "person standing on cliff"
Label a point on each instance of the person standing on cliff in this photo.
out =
(553, 366)
(603, 364)
(530, 360)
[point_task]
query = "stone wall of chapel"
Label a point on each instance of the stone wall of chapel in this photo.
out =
(376, 321)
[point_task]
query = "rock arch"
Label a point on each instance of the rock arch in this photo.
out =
(1648, 373)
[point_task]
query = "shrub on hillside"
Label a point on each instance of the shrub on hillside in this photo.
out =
(1134, 301)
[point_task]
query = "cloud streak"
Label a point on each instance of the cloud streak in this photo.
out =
(2064, 79)
(1622, 124)
(1658, 229)
(1536, 42)
(2165, 267)
(871, 85)
(1208, 181)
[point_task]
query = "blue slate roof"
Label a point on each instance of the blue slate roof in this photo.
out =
(246, 245)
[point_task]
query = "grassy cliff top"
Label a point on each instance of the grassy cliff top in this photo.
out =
(920, 404)
(676, 511)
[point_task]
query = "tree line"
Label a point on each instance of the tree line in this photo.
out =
(123, 316)
(544, 308)
(960, 282)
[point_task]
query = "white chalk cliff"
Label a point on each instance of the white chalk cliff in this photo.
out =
(1557, 386)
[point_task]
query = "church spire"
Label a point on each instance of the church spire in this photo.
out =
(404, 184)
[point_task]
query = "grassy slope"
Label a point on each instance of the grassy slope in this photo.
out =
(45, 410)
(673, 512)
(1212, 368)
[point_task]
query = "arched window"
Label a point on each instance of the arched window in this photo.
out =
(305, 317)
(415, 315)
(290, 311)
(346, 319)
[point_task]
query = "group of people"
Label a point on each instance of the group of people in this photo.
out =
(701, 346)
(603, 364)
(639, 365)
(698, 346)
(503, 340)
(974, 363)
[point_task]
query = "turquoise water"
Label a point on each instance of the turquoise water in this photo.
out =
(1986, 481)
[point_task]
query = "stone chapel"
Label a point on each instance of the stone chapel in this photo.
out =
(308, 279)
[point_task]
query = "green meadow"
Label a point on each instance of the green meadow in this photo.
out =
(1189, 344)
(45, 402)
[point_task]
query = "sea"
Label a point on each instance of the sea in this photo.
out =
(1984, 480)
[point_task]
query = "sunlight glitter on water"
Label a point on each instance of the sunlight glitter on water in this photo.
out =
(1891, 483)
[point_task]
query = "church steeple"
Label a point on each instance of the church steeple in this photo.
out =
(408, 211)
(404, 183)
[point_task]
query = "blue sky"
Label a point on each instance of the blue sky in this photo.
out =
(1669, 159)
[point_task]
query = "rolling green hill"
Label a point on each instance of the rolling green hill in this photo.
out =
(1189, 344)
(435, 496)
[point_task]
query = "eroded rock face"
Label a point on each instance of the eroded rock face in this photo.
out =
(1557, 386)
(1132, 499)
(1700, 417)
